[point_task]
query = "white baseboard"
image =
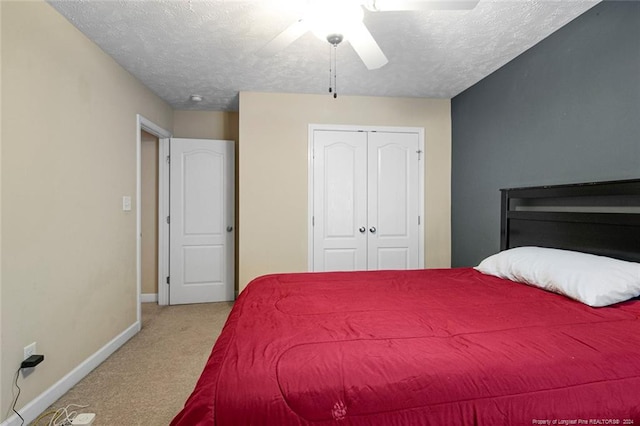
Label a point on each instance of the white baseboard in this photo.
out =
(35, 407)
(149, 297)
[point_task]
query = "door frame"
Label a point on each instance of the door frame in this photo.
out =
(163, 213)
(355, 128)
(143, 123)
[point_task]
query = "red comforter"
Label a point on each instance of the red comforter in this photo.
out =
(428, 347)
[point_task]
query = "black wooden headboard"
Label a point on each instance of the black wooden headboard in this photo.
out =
(599, 218)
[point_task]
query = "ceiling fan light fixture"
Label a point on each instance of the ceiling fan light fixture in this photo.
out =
(335, 39)
(330, 17)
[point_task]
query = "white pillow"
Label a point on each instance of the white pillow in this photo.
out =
(593, 280)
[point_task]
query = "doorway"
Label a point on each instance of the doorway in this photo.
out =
(149, 217)
(160, 187)
(143, 123)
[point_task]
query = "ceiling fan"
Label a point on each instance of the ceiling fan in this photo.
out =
(338, 20)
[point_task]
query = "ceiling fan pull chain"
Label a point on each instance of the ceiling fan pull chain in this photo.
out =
(335, 71)
(334, 40)
(330, 68)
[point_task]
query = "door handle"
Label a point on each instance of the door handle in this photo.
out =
(229, 228)
(372, 229)
(363, 229)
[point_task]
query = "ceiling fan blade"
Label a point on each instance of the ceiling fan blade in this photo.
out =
(284, 39)
(366, 47)
(401, 5)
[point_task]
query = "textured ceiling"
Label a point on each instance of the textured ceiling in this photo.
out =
(183, 47)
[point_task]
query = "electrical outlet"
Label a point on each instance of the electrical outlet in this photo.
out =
(29, 350)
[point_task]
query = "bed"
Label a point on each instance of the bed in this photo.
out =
(442, 346)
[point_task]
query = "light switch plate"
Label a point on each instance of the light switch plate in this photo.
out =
(126, 203)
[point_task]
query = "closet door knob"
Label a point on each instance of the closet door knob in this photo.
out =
(363, 229)
(372, 229)
(229, 228)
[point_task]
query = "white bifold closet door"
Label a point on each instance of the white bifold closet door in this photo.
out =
(366, 200)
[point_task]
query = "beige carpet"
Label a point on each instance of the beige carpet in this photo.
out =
(147, 381)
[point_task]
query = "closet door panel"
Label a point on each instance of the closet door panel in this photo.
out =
(393, 200)
(340, 173)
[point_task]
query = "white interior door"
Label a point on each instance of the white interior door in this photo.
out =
(201, 221)
(340, 200)
(393, 201)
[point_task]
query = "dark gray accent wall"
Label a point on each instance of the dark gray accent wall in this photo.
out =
(565, 111)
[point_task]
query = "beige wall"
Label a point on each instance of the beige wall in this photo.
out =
(273, 172)
(206, 125)
(149, 213)
(68, 156)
